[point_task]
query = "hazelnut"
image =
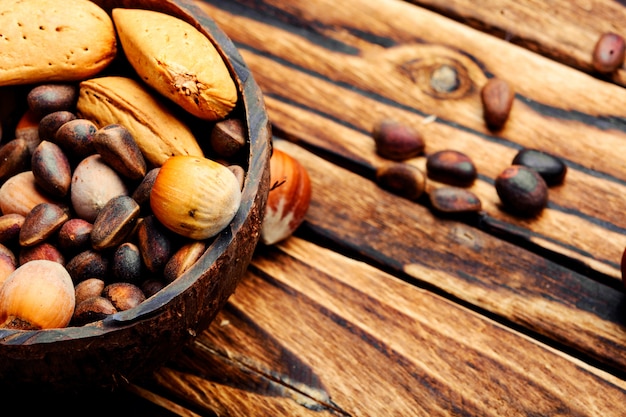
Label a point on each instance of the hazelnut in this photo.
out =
(288, 200)
(37, 295)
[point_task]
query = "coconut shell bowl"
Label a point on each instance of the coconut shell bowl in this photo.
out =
(131, 343)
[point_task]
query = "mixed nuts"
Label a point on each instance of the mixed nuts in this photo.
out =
(106, 193)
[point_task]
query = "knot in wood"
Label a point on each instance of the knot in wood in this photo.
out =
(444, 79)
(440, 76)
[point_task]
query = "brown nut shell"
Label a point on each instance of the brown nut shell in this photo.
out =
(51, 169)
(288, 200)
(41, 222)
(88, 264)
(10, 226)
(183, 259)
(397, 141)
(497, 98)
(118, 148)
(114, 222)
(15, 157)
(91, 287)
(37, 295)
(43, 250)
(75, 235)
(48, 98)
(91, 310)
(402, 179)
(154, 243)
(126, 263)
(195, 197)
(157, 46)
(142, 193)
(76, 138)
(228, 137)
(123, 295)
(50, 123)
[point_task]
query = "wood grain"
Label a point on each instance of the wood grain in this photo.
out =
(566, 31)
(364, 343)
(406, 312)
(340, 87)
(463, 262)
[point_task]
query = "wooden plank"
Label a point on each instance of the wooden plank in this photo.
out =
(303, 337)
(564, 30)
(554, 110)
(463, 262)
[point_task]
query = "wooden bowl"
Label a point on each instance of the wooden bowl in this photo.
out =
(134, 342)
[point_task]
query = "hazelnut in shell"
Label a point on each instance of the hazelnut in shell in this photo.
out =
(288, 200)
(37, 295)
(195, 197)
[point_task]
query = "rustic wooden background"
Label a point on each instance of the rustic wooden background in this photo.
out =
(378, 307)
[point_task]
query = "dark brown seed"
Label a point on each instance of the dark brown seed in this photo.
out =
(126, 264)
(114, 222)
(152, 286)
(14, 158)
(550, 167)
(454, 200)
(50, 123)
(51, 169)
(118, 148)
(154, 243)
(522, 191)
(497, 97)
(183, 259)
(92, 310)
(88, 264)
(48, 98)
(142, 193)
(10, 226)
(91, 287)
(76, 138)
(397, 141)
(451, 167)
(401, 179)
(43, 250)
(41, 222)
(228, 137)
(123, 295)
(75, 235)
(608, 53)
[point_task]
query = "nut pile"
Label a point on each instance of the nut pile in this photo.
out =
(521, 187)
(106, 196)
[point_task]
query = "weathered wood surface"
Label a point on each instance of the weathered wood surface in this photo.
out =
(354, 341)
(557, 109)
(565, 31)
(491, 315)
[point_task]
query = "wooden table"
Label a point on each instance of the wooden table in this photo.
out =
(379, 307)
